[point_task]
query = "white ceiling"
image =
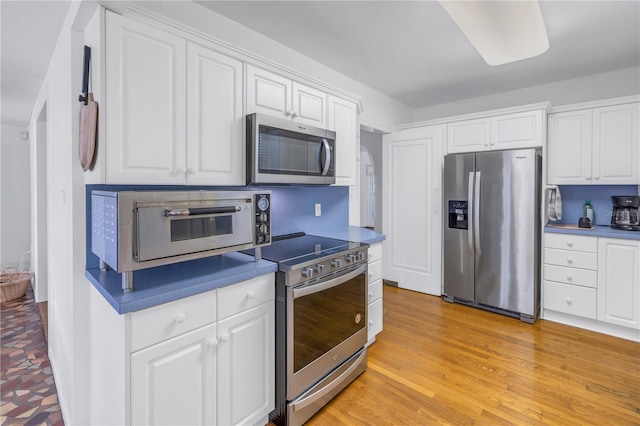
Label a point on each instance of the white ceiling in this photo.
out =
(412, 50)
(29, 31)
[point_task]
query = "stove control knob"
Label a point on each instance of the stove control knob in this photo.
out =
(350, 258)
(336, 263)
(360, 256)
(319, 268)
(307, 272)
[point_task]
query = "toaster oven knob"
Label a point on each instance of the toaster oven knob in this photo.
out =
(336, 263)
(307, 272)
(319, 268)
(264, 228)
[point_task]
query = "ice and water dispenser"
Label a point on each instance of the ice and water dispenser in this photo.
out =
(458, 214)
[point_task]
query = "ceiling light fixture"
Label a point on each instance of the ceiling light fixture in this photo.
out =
(501, 31)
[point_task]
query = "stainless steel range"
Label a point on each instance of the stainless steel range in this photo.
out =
(321, 322)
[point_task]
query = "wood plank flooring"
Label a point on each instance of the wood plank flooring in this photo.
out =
(442, 363)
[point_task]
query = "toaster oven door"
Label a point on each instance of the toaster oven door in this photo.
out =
(173, 230)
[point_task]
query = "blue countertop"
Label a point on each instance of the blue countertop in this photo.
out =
(163, 284)
(598, 231)
(350, 233)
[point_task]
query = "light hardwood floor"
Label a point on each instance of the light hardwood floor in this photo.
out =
(441, 363)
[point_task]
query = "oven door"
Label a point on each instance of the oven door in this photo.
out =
(178, 229)
(326, 324)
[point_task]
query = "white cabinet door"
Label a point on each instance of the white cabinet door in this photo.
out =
(145, 96)
(309, 105)
(246, 384)
(616, 145)
(174, 382)
(569, 155)
(268, 93)
(343, 119)
(619, 282)
(519, 130)
(215, 142)
(468, 136)
(412, 176)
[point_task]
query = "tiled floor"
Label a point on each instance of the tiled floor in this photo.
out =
(28, 391)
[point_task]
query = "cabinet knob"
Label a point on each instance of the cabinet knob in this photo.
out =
(191, 170)
(251, 294)
(181, 317)
(570, 277)
(569, 260)
(293, 114)
(180, 170)
(213, 343)
(569, 243)
(370, 294)
(370, 322)
(569, 301)
(224, 338)
(370, 276)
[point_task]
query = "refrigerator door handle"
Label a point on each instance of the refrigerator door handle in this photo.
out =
(476, 214)
(470, 212)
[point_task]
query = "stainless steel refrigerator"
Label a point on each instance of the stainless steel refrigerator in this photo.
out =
(492, 231)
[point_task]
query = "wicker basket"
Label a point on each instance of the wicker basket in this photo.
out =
(13, 283)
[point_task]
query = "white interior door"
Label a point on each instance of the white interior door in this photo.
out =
(412, 176)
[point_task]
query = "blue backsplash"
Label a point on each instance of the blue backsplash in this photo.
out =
(292, 207)
(574, 197)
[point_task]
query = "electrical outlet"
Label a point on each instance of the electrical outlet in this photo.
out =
(318, 209)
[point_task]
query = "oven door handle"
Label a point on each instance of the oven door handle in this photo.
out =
(197, 211)
(305, 402)
(316, 288)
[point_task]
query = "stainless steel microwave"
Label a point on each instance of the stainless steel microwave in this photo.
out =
(132, 230)
(281, 151)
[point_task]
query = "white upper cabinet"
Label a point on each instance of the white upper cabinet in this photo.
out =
(145, 103)
(215, 148)
(616, 145)
(272, 94)
(595, 146)
(506, 131)
(154, 81)
(343, 119)
(468, 136)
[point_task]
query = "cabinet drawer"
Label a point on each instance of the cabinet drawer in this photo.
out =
(375, 271)
(375, 252)
(375, 291)
(374, 325)
(571, 242)
(575, 276)
(570, 299)
(574, 259)
(163, 322)
(236, 298)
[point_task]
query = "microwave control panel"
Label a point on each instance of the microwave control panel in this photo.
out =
(262, 204)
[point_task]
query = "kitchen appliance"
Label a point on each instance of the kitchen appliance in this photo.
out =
(132, 230)
(492, 231)
(626, 212)
(282, 151)
(321, 321)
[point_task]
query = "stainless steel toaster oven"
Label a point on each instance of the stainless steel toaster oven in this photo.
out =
(132, 230)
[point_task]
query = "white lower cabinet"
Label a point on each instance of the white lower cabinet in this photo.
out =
(374, 308)
(593, 282)
(206, 359)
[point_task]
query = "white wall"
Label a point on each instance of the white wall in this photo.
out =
(612, 84)
(68, 289)
(15, 238)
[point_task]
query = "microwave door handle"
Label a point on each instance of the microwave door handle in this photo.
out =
(197, 211)
(316, 288)
(327, 157)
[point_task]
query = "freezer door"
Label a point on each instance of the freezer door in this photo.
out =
(506, 249)
(458, 241)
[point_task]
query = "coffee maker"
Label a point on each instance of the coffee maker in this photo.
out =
(626, 212)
